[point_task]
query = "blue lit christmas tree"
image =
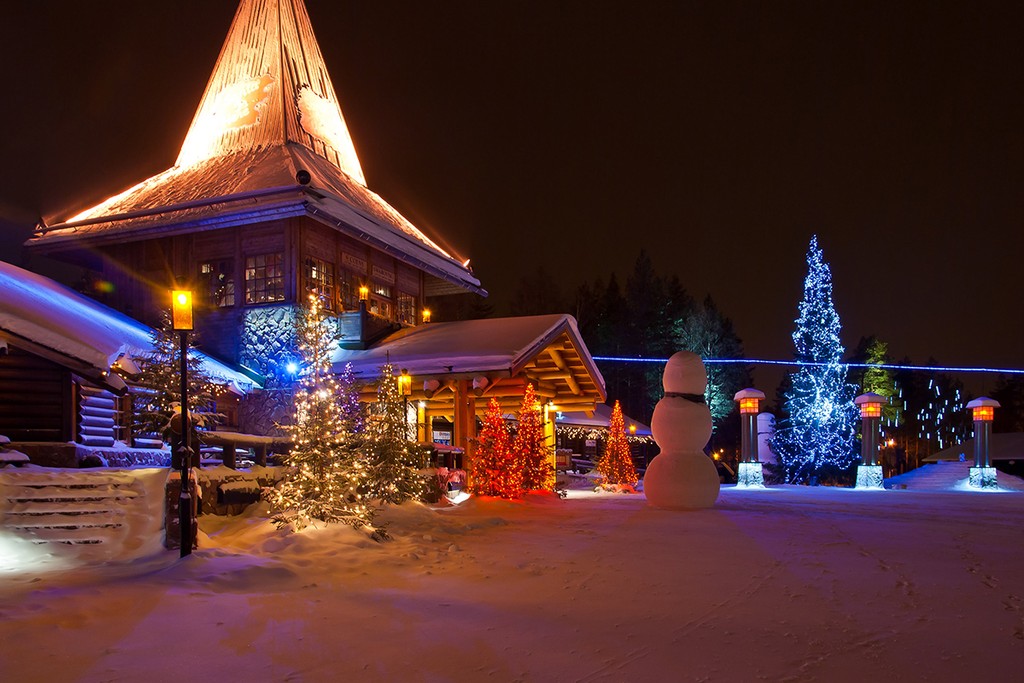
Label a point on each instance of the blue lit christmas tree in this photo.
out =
(817, 435)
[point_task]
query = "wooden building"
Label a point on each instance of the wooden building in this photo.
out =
(266, 201)
(63, 363)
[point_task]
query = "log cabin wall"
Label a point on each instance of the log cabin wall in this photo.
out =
(36, 402)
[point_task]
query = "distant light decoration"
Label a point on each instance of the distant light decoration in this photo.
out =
(292, 367)
(811, 364)
(181, 309)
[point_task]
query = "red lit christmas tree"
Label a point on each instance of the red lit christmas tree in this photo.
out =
(616, 463)
(495, 470)
(532, 452)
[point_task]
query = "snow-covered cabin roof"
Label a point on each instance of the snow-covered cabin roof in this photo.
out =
(545, 348)
(269, 112)
(51, 320)
(600, 419)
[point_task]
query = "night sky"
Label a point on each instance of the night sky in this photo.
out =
(717, 136)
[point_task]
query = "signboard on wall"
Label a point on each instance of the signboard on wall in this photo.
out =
(442, 437)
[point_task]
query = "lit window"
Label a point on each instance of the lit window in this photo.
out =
(406, 308)
(218, 279)
(320, 278)
(264, 278)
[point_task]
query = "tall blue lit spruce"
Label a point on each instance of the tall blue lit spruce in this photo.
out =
(817, 435)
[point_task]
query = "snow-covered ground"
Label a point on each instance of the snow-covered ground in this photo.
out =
(783, 584)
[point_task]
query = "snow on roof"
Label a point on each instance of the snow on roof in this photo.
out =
(468, 346)
(54, 317)
(601, 419)
(269, 111)
(246, 187)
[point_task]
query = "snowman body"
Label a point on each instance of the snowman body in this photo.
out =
(681, 476)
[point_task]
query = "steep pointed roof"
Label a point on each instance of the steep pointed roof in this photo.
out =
(270, 86)
(269, 111)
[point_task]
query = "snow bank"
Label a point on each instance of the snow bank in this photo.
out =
(786, 583)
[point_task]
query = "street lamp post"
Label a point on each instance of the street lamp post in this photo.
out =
(983, 475)
(750, 473)
(181, 321)
(869, 472)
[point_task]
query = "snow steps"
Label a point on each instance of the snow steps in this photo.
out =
(74, 509)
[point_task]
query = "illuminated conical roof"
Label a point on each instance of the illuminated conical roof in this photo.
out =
(269, 117)
(270, 86)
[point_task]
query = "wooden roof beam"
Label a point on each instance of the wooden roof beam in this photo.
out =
(560, 363)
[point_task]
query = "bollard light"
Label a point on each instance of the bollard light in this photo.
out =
(869, 472)
(983, 475)
(750, 473)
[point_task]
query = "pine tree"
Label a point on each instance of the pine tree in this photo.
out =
(393, 462)
(157, 398)
(494, 471)
(817, 435)
(616, 463)
(709, 334)
(327, 473)
(530, 448)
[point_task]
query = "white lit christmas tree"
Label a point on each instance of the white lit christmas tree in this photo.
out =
(328, 475)
(393, 462)
(818, 432)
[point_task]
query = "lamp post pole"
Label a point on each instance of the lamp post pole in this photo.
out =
(181, 320)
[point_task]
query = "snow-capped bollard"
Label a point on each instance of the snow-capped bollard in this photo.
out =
(869, 472)
(750, 473)
(682, 477)
(983, 475)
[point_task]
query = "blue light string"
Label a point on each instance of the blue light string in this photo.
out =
(800, 363)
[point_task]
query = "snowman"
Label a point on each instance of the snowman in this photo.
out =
(682, 477)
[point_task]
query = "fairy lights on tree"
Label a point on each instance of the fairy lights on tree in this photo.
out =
(495, 469)
(616, 463)
(818, 432)
(532, 453)
(327, 476)
(393, 462)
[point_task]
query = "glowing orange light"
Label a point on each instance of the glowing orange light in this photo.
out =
(984, 413)
(181, 309)
(748, 406)
(632, 429)
(871, 410)
(426, 315)
(364, 293)
(405, 383)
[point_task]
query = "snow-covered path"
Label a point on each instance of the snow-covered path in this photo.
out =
(783, 584)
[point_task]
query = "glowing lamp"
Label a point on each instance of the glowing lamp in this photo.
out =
(364, 293)
(632, 429)
(870, 404)
(749, 400)
(426, 315)
(181, 309)
(405, 383)
(983, 409)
